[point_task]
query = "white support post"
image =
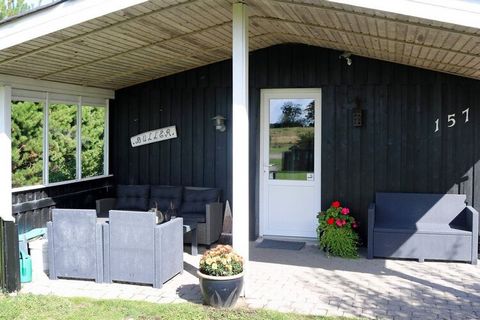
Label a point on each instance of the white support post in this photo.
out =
(46, 151)
(240, 132)
(5, 154)
(79, 140)
(106, 139)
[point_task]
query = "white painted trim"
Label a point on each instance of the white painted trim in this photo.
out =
(5, 154)
(78, 137)
(240, 132)
(106, 139)
(54, 87)
(78, 152)
(46, 152)
(457, 12)
(288, 93)
(61, 183)
(56, 18)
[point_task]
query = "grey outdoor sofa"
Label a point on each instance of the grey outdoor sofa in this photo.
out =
(138, 250)
(196, 205)
(75, 245)
(423, 226)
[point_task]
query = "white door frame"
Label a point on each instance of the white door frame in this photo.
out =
(289, 93)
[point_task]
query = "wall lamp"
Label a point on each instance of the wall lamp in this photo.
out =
(219, 122)
(347, 56)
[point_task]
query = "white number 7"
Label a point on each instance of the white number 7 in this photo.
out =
(451, 120)
(465, 112)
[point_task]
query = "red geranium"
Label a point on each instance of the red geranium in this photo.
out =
(330, 220)
(336, 204)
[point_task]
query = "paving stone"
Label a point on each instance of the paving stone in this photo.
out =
(307, 282)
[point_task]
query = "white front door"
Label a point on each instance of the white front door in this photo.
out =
(290, 162)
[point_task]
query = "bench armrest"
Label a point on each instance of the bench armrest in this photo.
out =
(472, 223)
(214, 220)
(103, 206)
(371, 223)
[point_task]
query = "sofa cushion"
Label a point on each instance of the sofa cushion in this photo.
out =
(162, 196)
(132, 197)
(197, 217)
(195, 200)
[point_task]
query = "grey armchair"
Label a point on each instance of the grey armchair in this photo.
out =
(138, 250)
(75, 245)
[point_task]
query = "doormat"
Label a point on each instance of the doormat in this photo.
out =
(277, 244)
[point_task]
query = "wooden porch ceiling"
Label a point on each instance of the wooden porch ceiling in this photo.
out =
(162, 37)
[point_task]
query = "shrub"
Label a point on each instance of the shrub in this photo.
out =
(336, 234)
(221, 261)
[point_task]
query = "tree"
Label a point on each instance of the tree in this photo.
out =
(9, 8)
(291, 115)
(93, 129)
(310, 114)
(27, 140)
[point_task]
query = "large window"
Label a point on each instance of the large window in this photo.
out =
(62, 142)
(93, 130)
(71, 135)
(27, 143)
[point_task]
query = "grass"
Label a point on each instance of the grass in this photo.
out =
(27, 306)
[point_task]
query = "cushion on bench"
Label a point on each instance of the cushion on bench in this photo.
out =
(162, 196)
(133, 197)
(407, 210)
(194, 201)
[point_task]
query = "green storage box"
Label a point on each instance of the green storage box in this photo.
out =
(25, 267)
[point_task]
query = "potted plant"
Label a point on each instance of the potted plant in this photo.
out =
(336, 231)
(221, 276)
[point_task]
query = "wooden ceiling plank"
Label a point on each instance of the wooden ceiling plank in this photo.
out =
(173, 7)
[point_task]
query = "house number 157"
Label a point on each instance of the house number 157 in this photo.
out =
(451, 120)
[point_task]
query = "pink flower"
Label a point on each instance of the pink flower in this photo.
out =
(344, 222)
(345, 211)
(339, 222)
(354, 225)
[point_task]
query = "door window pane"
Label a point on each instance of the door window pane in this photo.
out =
(93, 128)
(62, 142)
(27, 143)
(291, 134)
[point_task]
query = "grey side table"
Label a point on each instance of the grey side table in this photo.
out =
(192, 227)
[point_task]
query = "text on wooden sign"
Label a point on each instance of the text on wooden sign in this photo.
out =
(154, 136)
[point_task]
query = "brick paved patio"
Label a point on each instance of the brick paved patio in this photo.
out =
(306, 281)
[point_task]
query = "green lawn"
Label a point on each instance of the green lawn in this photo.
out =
(50, 307)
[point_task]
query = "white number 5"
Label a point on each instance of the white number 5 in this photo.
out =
(451, 120)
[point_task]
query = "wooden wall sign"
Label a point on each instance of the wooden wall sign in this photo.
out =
(154, 136)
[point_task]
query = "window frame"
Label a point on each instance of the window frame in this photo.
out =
(48, 98)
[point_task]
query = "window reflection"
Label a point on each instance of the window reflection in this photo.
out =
(291, 154)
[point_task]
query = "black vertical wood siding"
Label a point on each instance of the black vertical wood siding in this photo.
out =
(396, 149)
(32, 209)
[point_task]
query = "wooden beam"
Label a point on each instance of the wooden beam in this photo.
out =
(96, 31)
(363, 34)
(460, 13)
(58, 17)
(374, 16)
(356, 51)
(240, 132)
(154, 65)
(156, 43)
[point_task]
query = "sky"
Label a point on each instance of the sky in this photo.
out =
(276, 107)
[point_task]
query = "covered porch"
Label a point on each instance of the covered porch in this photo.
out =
(308, 282)
(152, 64)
